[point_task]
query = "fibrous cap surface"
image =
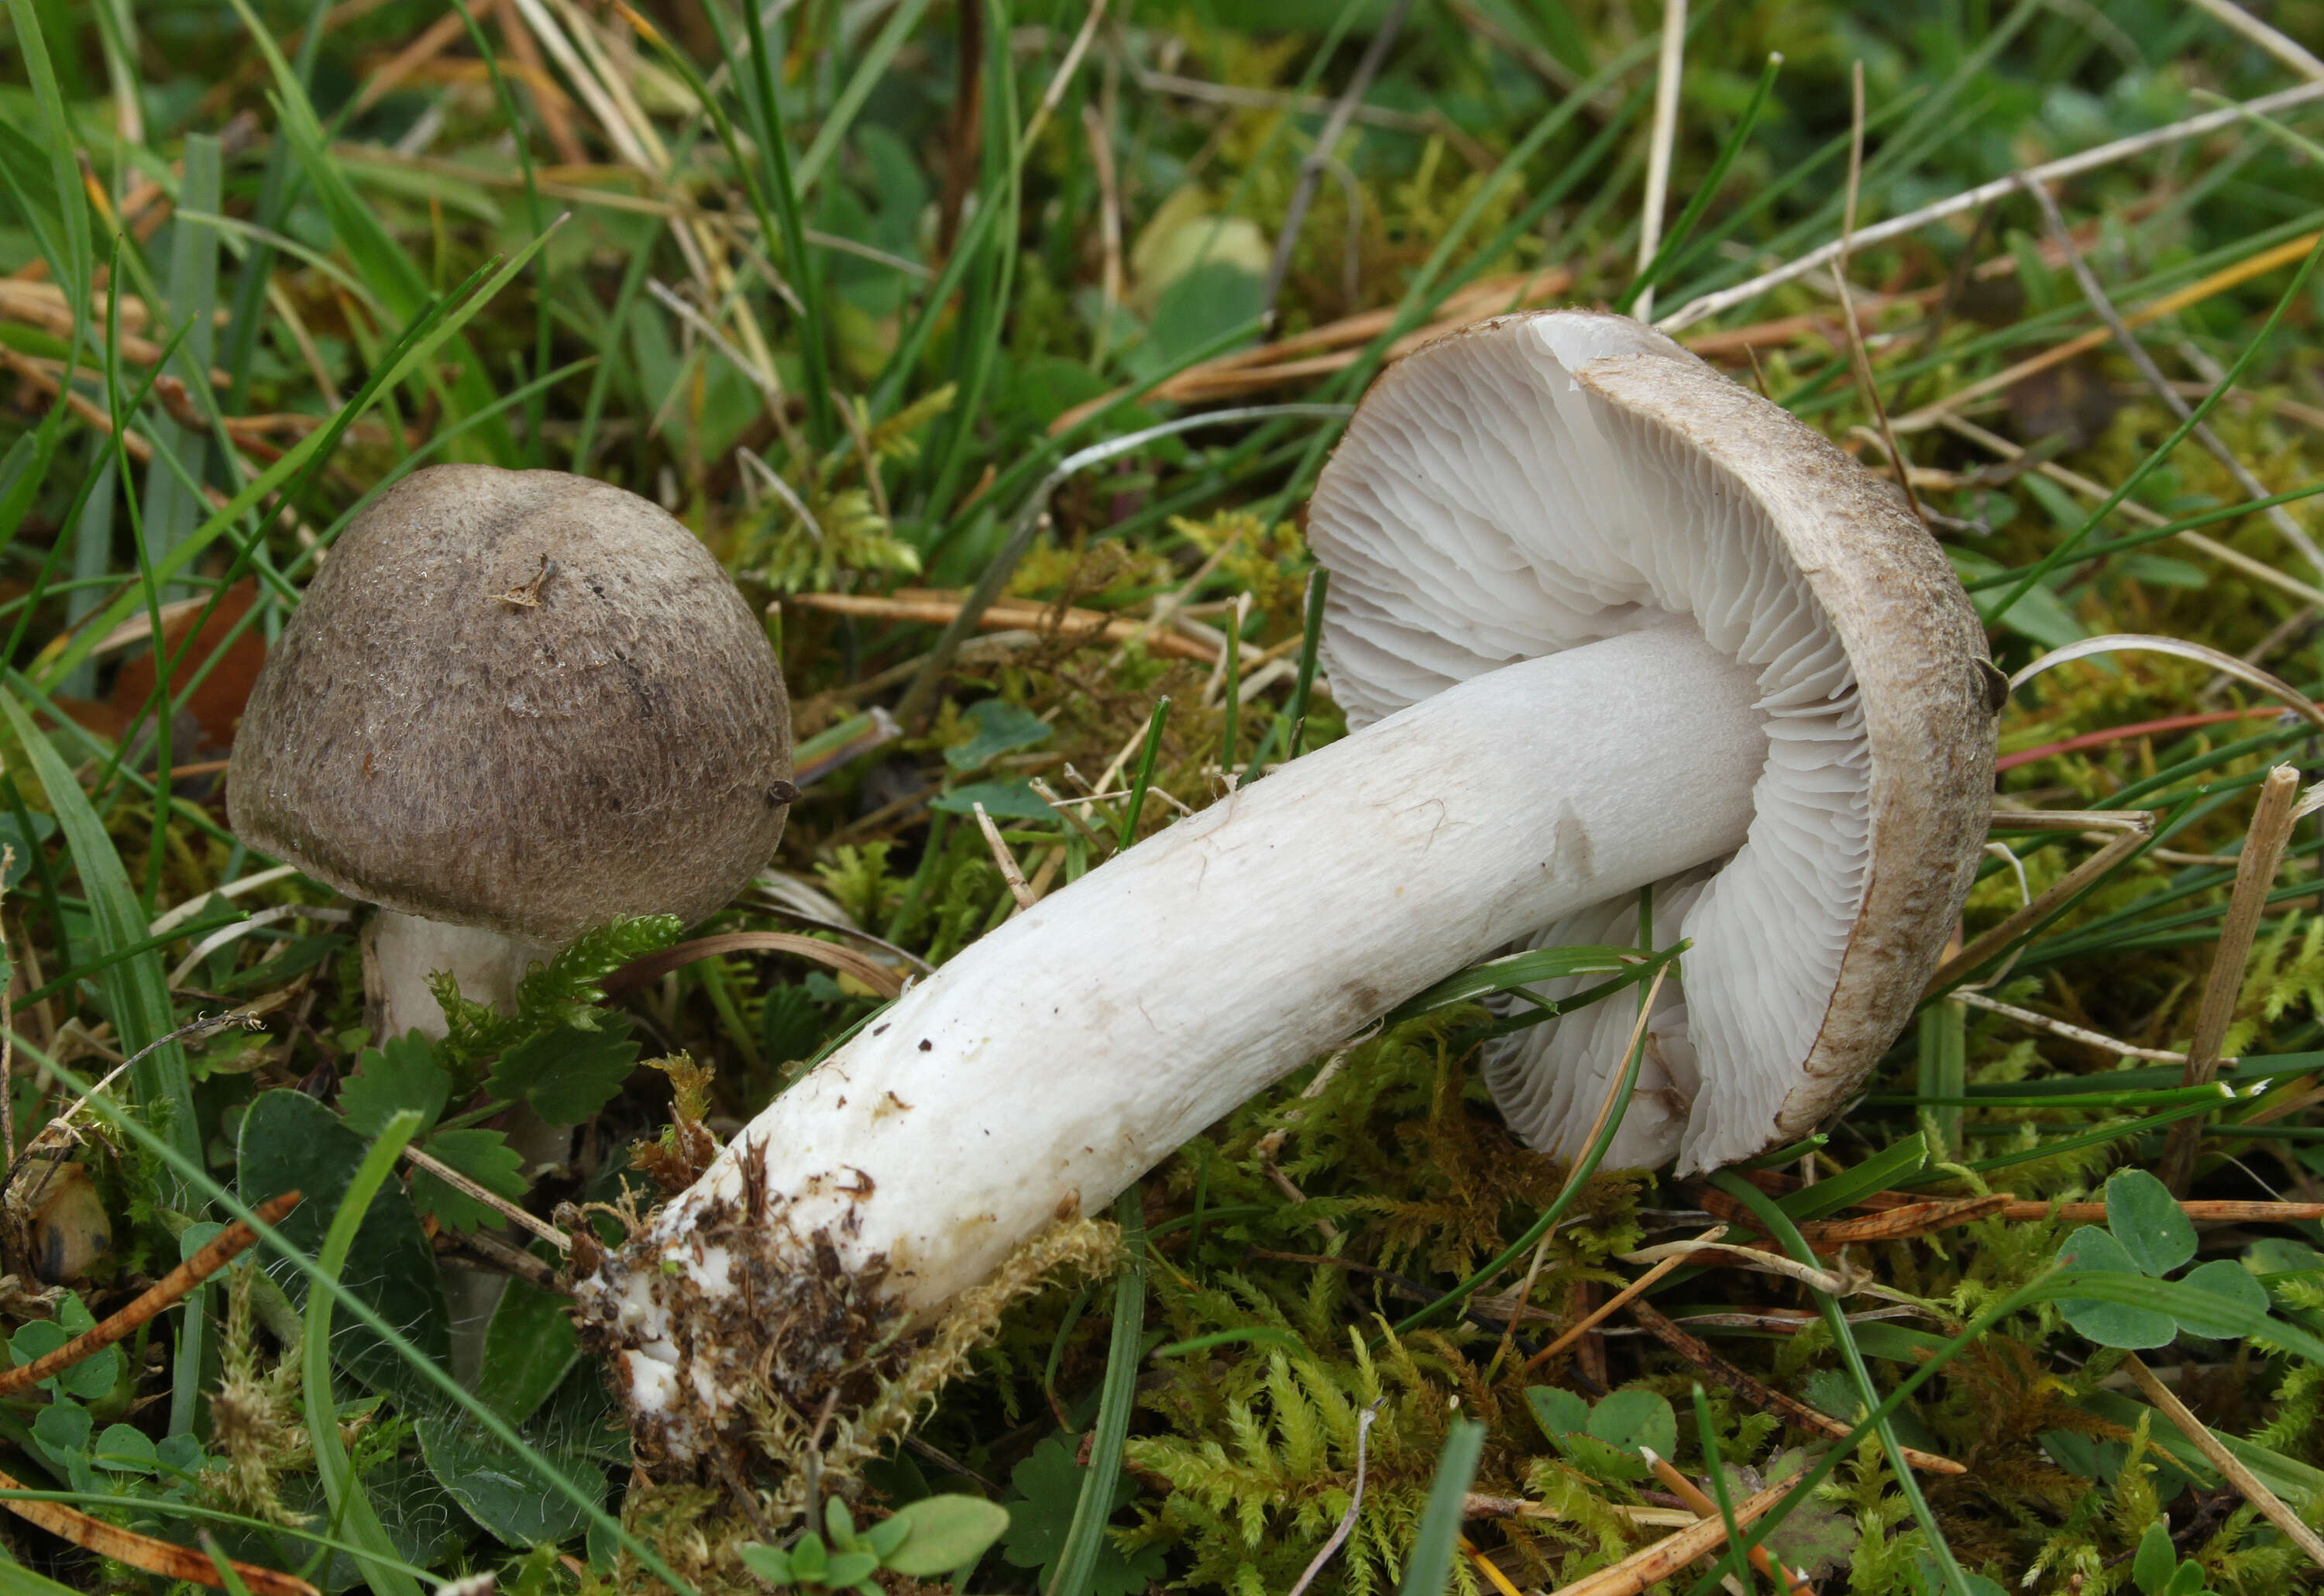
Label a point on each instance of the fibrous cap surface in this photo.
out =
(521, 700)
(1541, 482)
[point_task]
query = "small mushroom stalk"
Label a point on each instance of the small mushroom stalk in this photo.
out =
(1042, 1070)
(404, 952)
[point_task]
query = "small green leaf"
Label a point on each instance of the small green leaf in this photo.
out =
(808, 1562)
(2156, 1562)
(492, 1483)
(944, 1533)
(770, 1564)
(2112, 1323)
(839, 1527)
(1635, 1421)
(2187, 1581)
(890, 1533)
(1003, 800)
(1002, 727)
(529, 1347)
(2241, 1301)
(565, 1075)
(1558, 1411)
(847, 1567)
(2148, 1222)
(124, 1449)
(401, 1075)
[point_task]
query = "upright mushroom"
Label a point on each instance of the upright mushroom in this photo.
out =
(513, 705)
(1604, 619)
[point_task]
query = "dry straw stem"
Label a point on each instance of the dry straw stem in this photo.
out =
(1010, 870)
(169, 1561)
(2072, 1033)
(1311, 169)
(935, 608)
(2219, 281)
(2258, 570)
(1620, 1300)
(2278, 515)
(1336, 344)
(2271, 828)
(2135, 826)
(845, 960)
(1859, 359)
(2270, 1506)
(1986, 193)
(2285, 50)
(1685, 1490)
(1669, 66)
(1765, 1398)
(489, 1198)
(222, 1250)
(1488, 1567)
(1645, 1569)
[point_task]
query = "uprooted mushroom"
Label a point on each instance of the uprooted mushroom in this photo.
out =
(1602, 619)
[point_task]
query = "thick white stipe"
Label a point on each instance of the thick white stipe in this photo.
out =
(1050, 1064)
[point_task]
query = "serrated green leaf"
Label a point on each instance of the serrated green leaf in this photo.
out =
(565, 1075)
(400, 1074)
(1050, 1482)
(944, 1533)
(2148, 1222)
(483, 1155)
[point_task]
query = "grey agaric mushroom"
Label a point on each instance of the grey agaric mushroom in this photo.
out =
(1540, 484)
(513, 705)
(1602, 619)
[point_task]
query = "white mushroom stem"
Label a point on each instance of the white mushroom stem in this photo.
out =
(1050, 1064)
(404, 952)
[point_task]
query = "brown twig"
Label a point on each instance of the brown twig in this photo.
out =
(1686, 1491)
(1859, 359)
(165, 1558)
(1643, 1569)
(2258, 1495)
(1310, 169)
(1765, 1398)
(162, 1294)
(938, 608)
(1607, 1309)
(487, 1197)
(2271, 828)
(489, 1249)
(638, 972)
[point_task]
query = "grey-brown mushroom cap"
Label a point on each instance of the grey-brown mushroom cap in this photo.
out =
(520, 700)
(1544, 481)
(1918, 651)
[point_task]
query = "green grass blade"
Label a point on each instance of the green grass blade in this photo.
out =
(350, 1507)
(1430, 1567)
(1780, 1228)
(1682, 229)
(73, 261)
(1145, 774)
(1077, 1562)
(135, 994)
